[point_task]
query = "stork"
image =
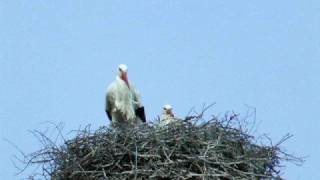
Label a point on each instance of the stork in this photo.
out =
(123, 103)
(167, 116)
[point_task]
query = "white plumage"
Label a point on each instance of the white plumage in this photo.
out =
(122, 100)
(167, 116)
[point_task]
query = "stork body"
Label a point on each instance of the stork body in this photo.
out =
(123, 102)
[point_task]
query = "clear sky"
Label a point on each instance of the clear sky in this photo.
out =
(58, 57)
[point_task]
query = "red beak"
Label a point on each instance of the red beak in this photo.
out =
(125, 78)
(172, 114)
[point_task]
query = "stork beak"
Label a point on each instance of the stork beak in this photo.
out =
(171, 113)
(125, 78)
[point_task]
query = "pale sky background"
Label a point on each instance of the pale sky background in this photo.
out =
(58, 57)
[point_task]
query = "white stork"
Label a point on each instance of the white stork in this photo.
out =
(123, 103)
(167, 116)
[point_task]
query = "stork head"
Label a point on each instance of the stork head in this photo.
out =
(123, 73)
(168, 110)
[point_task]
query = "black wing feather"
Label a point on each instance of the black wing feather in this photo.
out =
(109, 115)
(141, 114)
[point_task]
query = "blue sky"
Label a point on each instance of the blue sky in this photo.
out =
(58, 57)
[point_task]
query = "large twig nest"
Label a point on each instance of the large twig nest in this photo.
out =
(214, 149)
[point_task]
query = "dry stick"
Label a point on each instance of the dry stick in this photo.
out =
(135, 159)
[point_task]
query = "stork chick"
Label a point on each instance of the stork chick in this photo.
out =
(167, 116)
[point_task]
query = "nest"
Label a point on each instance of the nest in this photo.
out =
(188, 149)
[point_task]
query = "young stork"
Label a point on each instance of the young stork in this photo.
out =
(167, 116)
(123, 103)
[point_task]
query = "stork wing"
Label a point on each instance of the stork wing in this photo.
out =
(109, 115)
(141, 114)
(110, 100)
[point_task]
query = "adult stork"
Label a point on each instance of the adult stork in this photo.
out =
(123, 102)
